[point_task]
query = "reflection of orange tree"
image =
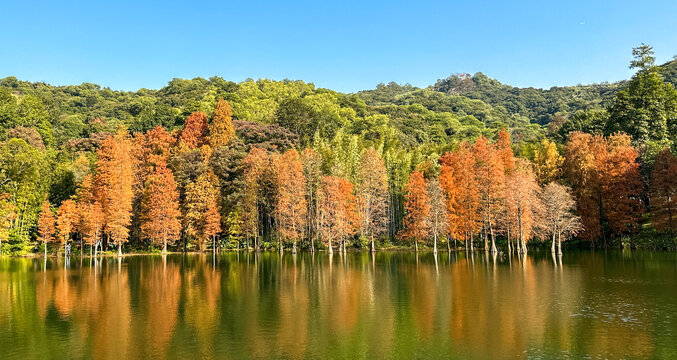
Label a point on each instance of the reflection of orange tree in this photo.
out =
(203, 302)
(161, 290)
(423, 299)
(293, 307)
(97, 306)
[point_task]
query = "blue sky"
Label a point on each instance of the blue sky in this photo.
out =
(342, 45)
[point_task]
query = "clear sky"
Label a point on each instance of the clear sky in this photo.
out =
(342, 45)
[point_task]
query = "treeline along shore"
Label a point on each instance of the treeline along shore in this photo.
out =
(469, 163)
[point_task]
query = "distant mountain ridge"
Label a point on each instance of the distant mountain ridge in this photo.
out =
(540, 106)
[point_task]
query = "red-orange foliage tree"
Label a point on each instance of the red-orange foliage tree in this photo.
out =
(66, 220)
(606, 181)
(451, 193)
(490, 175)
(663, 192)
(337, 206)
(291, 209)
(91, 218)
(160, 205)
(417, 204)
(115, 176)
(194, 133)
(466, 212)
(523, 204)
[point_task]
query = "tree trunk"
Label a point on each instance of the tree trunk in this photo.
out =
(373, 247)
(552, 248)
(448, 245)
(471, 242)
(435, 245)
(329, 249)
(416, 245)
(120, 250)
(45, 250)
(90, 250)
(493, 241)
(559, 244)
(164, 247)
(293, 250)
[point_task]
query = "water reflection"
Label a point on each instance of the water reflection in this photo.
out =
(383, 305)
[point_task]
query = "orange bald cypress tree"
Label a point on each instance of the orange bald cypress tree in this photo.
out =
(114, 180)
(466, 212)
(417, 204)
(46, 225)
(66, 220)
(337, 207)
(160, 205)
(91, 217)
(291, 209)
(221, 130)
(505, 153)
(213, 222)
(663, 192)
(490, 175)
(451, 193)
(605, 177)
(194, 132)
(523, 202)
(622, 185)
(158, 148)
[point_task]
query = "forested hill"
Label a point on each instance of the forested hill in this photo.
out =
(540, 106)
(455, 108)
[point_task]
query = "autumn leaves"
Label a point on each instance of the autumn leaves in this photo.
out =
(133, 180)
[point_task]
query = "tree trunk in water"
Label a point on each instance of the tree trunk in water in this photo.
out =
(164, 247)
(329, 249)
(559, 244)
(416, 245)
(45, 250)
(435, 245)
(90, 250)
(448, 246)
(373, 248)
(120, 250)
(471, 242)
(552, 248)
(293, 250)
(493, 241)
(312, 245)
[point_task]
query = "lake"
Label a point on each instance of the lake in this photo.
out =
(393, 305)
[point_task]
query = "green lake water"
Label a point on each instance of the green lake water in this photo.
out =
(392, 305)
